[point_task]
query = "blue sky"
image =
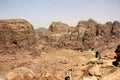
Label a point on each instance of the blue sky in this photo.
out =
(41, 13)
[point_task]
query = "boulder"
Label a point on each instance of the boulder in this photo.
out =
(113, 76)
(3, 77)
(95, 71)
(21, 73)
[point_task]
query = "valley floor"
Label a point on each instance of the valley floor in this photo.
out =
(57, 64)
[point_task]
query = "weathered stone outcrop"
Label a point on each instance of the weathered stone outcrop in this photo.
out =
(84, 25)
(40, 31)
(82, 34)
(78, 33)
(86, 35)
(89, 39)
(16, 31)
(104, 29)
(90, 24)
(58, 27)
(116, 29)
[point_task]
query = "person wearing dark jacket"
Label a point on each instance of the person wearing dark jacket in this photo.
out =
(117, 51)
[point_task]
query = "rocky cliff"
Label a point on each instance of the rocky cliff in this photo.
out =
(16, 32)
(86, 35)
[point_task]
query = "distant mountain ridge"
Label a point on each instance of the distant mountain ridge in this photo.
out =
(86, 35)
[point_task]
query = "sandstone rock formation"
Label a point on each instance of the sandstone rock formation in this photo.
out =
(82, 26)
(89, 39)
(16, 31)
(104, 30)
(58, 27)
(90, 24)
(116, 29)
(86, 35)
(41, 31)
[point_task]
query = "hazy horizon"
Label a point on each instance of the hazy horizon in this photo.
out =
(41, 13)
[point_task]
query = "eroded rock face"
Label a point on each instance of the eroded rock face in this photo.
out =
(58, 27)
(40, 31)
(89, 39)
(16, 31)
(104, 30)
(116, 29)
(82, 26)
(90, 24)
(86, 35)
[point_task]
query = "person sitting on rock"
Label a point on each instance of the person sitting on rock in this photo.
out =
(67, 78)
(117, 51)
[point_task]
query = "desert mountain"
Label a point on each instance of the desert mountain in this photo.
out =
(86, 35)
